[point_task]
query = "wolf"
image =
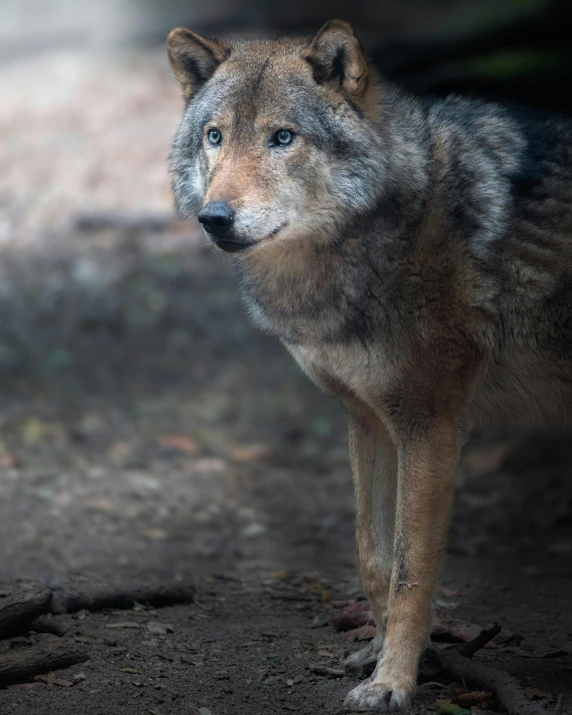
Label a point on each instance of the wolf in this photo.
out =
(415, 258)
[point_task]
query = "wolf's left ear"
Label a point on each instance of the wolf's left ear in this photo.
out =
(337, 57)
(194, 59)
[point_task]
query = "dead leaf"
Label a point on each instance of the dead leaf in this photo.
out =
(353, 616)
(363, 633)
(468, 698)
(123, 624)
(130, 670)
(60, 682)
(180, 442)
(250, 452)
(159, 629)
(156, 534)
(536, 694)
(24, 686)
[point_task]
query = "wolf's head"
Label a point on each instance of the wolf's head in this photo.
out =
(279, 140)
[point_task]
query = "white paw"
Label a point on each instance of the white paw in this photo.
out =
(379, 697)
(365, 656)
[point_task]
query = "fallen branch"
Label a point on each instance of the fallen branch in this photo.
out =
(96, 597)
(459, 665)
(486, 635)
(47, 625)
(20, 609)
(17, 666)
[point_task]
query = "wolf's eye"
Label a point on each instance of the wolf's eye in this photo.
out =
(283, 137)
(215, 137)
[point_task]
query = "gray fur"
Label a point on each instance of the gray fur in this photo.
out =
(421, 270)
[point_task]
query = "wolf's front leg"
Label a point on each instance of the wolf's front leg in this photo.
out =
(426, 477)
(374, 466)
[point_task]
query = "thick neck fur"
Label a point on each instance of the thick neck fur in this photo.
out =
(456, 220)
(329, 287)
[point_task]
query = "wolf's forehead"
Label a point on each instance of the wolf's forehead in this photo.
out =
(260, 80)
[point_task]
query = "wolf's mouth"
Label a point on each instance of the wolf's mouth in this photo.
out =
(234, 246)
(231, 246)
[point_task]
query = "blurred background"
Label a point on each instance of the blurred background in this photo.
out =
(146, 429)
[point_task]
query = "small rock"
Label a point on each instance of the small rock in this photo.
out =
(61, 682)
(160, 629)
(254, 530)
(204, 711)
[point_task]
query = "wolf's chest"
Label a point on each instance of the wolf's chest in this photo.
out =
(345, 370)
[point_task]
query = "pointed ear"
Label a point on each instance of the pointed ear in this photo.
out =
(337, 58)
(194, 59)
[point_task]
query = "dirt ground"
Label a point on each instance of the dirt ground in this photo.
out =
(147, 430)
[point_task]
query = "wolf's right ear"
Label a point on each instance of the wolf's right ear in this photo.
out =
(337, 58)
(194, 59)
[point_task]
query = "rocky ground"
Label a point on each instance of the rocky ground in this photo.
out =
(147, 430)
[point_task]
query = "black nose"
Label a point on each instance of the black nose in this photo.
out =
(216, 217)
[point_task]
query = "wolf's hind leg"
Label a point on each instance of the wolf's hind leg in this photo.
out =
(374, 467)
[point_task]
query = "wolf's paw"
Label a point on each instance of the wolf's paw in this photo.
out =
(366, 656)
(379, 696)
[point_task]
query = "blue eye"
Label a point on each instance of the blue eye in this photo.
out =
(283, 137)
(215, 137)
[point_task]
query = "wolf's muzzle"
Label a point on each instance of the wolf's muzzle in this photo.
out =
(217, 218)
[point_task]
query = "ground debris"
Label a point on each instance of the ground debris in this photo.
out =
(21, 608)
(99, 596)
(353, 616)
(23, 663)
(319, 669)
(460, 665)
